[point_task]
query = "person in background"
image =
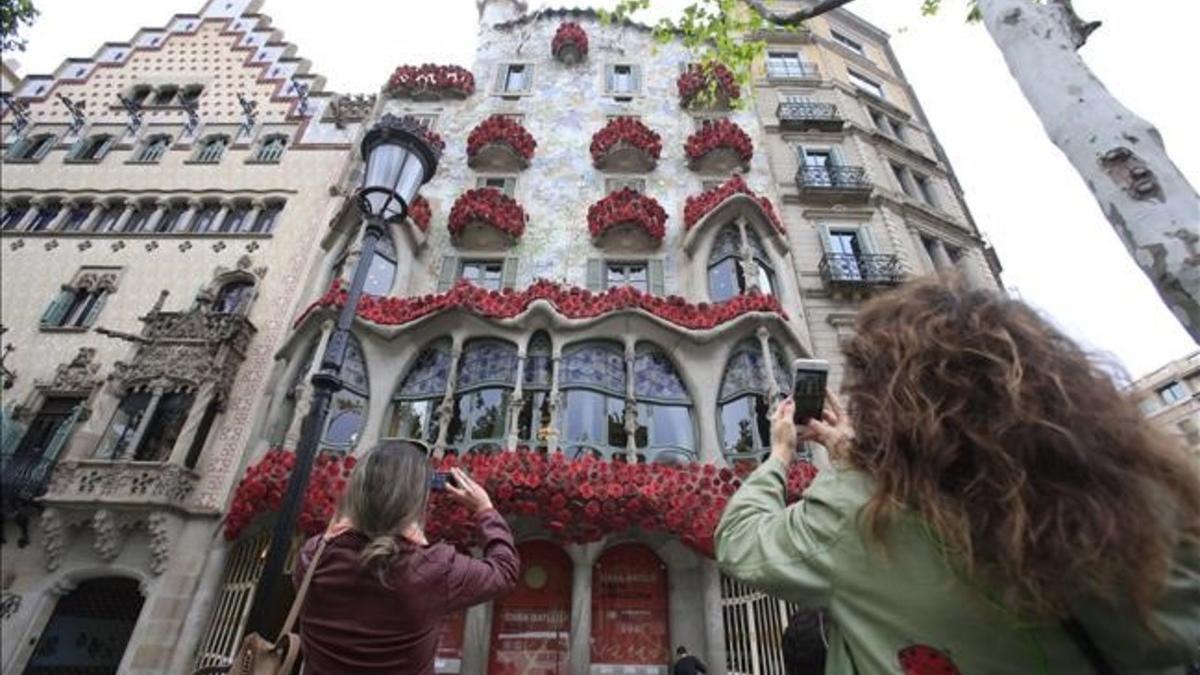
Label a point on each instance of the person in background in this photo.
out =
(687, 664)
(380, 590)
(805, 643)
(996, 504)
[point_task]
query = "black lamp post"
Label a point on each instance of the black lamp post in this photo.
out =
(399, 160)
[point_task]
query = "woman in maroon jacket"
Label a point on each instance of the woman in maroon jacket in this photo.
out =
(380, 591)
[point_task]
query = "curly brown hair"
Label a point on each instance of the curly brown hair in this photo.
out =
(1030, 467)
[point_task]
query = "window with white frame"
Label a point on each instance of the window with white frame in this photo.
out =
(865, 83)
(847, 251)
(612, 185)
(505, 184)
(624, 273)
(382, 272)
(1173, 393)
(622, 79)
(491, 273)
(847, 42)
(270, 149)
(514, 78)
(787, 66)
(483, 273)
(925, 188)
(644, 275)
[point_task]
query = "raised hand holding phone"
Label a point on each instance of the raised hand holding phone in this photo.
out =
(832, 429)
(467, 492)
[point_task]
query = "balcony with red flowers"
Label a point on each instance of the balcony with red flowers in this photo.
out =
(707, 85)
(500, 143)
(625, 145)
(430, 82)
(570, 43)
(727, 201)
(627, 220)
(486, 218)
(719, 146)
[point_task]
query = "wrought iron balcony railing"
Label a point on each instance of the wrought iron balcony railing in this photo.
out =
(802, 114)
(24, 477)
(832, 178)
(846, 269)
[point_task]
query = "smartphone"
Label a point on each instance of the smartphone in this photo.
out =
(808, 388)
(441, 479)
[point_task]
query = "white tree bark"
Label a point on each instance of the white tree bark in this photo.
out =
(1120, 156)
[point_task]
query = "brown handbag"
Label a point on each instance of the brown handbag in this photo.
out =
(257, 656)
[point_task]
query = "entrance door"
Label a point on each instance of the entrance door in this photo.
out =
(630, 612)
(89, 629)
(531, 626)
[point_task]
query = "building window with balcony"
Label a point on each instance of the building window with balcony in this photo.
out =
(234, 297)
(744, 400)
(28, 454)
(617, 274)
(825, 167)
(514, 78)
(487, 374)
(46, 214)
(415, 411)
(270, 150)
(93, 148)
(737, 258)
(788, 66)
(78, 216)
(848, 42)
(14, 214)
(664, 431)
(153, 149)
(925, 189)
(593, 388)
(492, 273)
(31, 148)
(78, 304)
(211, 149)
(851, 257)
(483, 273)
(205, 217)
(622, 81)
(145, 426)
(865, 83)
(1173, 393)
(267, 217)
(505, 184)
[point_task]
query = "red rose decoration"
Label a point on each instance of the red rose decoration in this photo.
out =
(420, 213)
(627, 206)
(699, 76)
(698, 206)
(488, 206)
(431, 81)
(719, 134)
(627, 130)
(569, 37)
(502, 130)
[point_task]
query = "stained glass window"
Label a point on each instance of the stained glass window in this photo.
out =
(429, 373)
(664, 413)
(486, 374)
(727, 275)
(533, 420)
(539, 366)
(743, 403)
(595, 364)
(415, 408)
(654, 377)
(348, 410)
(593, 385)
(487, 362)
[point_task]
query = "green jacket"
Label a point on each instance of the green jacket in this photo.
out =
(905, 609)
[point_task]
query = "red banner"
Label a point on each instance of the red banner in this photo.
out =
(629, 609)
(531, 626)
(450, 644)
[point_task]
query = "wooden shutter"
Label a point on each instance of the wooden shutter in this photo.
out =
(58, 307)
(448, 274)
(508, 274)
(12, 431)
(94, 310)
(595, 274)
(501, 75)
(654, 277)
(61, 434)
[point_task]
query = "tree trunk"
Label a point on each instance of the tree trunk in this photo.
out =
(1120, 156)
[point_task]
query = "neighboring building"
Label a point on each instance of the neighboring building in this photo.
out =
(1170, 398)
(151, 252)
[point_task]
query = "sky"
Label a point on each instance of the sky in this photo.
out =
(1058, 251)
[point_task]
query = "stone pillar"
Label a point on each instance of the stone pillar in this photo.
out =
(941, 258)
(144, 423)
(446, 407)
(630, 401)
(972, 270)
(26, 219)
(160, 210)
(251, 216)
(512, 434)
(714, 624)
(922, 252)
(477, 636)
(126, 213)
(219, 221)
(183, 444)
(580, 651)
(63, 213)
(552, 444)
(185, 219)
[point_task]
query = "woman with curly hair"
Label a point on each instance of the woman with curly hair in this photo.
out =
(996, 505)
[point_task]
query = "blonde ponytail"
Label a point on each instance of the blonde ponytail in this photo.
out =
(378, 554)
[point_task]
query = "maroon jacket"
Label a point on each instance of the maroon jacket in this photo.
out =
(350, 623)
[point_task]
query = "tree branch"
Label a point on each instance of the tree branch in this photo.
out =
(799, 16)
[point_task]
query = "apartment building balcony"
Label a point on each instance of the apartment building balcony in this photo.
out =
(862, 271)
(788, 69)
(123, 483)
(835, 184)
(23, 478)
(809, 115)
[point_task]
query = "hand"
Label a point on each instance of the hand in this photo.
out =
(468, 493)
(783, 431)
(833, 430)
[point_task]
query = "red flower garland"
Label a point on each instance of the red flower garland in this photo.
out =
(452, 80)
(697, 77)
(697, 206)
(578, 501)
(490, 206)
(420, 213)
(625, 130)
(721, 133)
(627, 206)
(501, 129)
(571, 33)
(434, 139)
(571, 302)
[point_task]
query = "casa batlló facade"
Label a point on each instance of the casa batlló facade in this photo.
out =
(592, 306)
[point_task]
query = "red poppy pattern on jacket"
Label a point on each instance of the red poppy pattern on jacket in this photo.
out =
(698, 206)
(569, 301)
(723, 133)
(504, 130)
(627, 206)
(578, 501)
(569, 33)
(490, 207)
(626, 130)
(925, 660)
(698, 77)
(453, 80)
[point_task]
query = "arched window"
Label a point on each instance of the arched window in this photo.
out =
(743, 403)
(89, 629)
(14, 213)
(211, 149)
(665, 431)
(153, 149)
(487, 374)
(271, 148)
(728, 264)
(165, 95)
(265, 222)
(190, 93)
(31, 148)
(348, 410)
(234, 297)
(533, 420)
(415, 405)
(140, 93)
(382, 272)
(593, 389)
(93, 148)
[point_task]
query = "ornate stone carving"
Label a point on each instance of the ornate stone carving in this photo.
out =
(92, 280)
(78, 377)
(159, 526)
(54, 537)
(346, 109)
(107, 543)
(90, 481)
(10, 604)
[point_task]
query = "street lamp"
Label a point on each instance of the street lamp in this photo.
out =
(399, 160)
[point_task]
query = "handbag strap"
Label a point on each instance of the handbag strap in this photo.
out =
(1080, 637)
(303, 591)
